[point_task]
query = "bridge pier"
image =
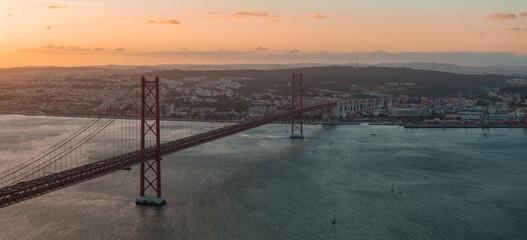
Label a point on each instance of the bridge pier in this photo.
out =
(142, 200)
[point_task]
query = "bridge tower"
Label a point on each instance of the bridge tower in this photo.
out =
(150, 170)
(297, 130)
(486, 118)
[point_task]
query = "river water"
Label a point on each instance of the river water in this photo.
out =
(260, 184)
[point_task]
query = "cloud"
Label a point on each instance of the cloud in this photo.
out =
(244, 12)
(239, 14)
(523, 14)
(502, 16)
(52, 47)
(294, 51)
(183, 48)
(214, 14)
(169, 21)
(260, 48)
(218, 17)
(121, 18)
(46, 28)
(210, 12)
(514, 29)
(8, 15)
(56, 49)
(225, 56)
(317, 16)
(76, 3)
(57, 6)
(284, 57)
(188, 12)
(482, 32)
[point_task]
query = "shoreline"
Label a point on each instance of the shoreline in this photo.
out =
(468, 126)
(306, 122)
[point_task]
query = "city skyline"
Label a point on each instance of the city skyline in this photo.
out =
(73, 33)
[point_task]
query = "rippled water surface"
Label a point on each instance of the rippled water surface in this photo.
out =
(457, 184)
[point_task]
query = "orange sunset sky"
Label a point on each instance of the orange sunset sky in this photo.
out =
(82, 32)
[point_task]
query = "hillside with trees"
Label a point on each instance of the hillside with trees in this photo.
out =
(393, 81)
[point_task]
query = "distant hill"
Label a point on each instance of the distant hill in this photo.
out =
(352, 79)
(50, 69)
(520, 71)
(437, 82)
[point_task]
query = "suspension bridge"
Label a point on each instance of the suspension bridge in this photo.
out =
(132, 132)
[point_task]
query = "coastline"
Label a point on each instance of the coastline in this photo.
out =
(306, 122)
(465, 126)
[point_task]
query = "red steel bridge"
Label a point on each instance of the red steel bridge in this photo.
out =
(132, 132)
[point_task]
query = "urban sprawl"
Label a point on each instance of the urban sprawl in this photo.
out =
(87, 93)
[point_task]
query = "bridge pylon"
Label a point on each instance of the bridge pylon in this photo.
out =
(150, 130)
(297, 130)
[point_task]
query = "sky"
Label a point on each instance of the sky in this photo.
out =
(133, 32)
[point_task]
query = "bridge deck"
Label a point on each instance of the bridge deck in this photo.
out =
(40, 186)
